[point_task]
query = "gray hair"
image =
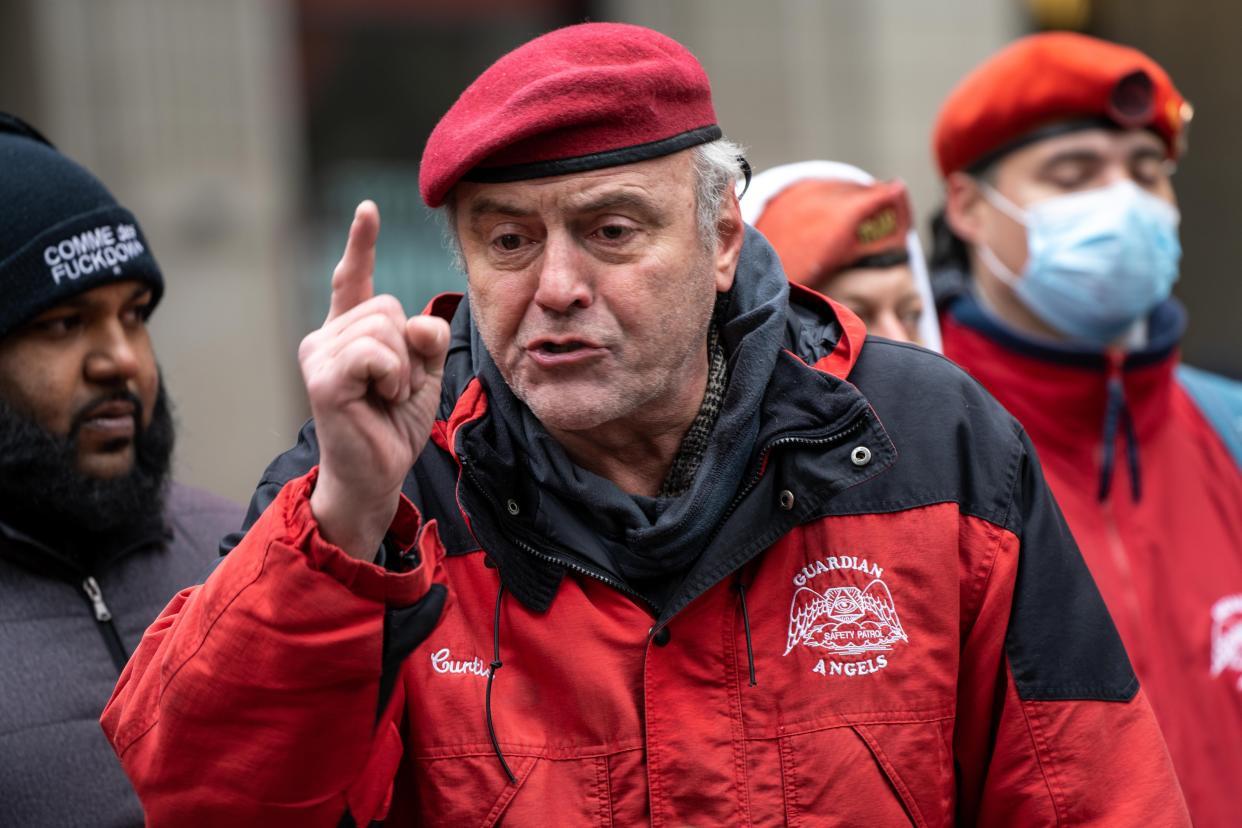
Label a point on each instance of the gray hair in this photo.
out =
(717, 170)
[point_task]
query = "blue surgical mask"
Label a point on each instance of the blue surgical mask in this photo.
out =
(1097, 261)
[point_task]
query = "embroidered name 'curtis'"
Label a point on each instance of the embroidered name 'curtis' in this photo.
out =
(839, 562)
(442, 661)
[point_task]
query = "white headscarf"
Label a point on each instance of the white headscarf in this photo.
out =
(768, 184)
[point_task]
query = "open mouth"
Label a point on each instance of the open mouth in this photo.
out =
(563, 353)
(560, 347)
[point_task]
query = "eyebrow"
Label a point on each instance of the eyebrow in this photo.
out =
(487, 205)
(603, 202)
(84, 300)
(1072, 156)
(1146, 152)
(615, 201)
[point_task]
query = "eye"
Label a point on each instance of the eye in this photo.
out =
(508, 242)
(56, 326)
(136, 315)
(1150, 171)
(614, 232)
(1071, 175)
(910, 316)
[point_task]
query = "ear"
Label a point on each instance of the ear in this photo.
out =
(963, 207)
(730, 232)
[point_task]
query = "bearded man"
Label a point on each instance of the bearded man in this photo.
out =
(94, 540)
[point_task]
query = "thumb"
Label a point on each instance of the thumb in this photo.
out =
(428, 338)
(352, 282)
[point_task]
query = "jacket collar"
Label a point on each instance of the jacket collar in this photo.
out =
(33, 554)
(1060, 392)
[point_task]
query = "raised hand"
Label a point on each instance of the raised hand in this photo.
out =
(373, 379)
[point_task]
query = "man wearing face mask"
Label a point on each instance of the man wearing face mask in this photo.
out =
(1055, 256)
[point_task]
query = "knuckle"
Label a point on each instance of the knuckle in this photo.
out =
(308, 346)
(316, 385)
(388, 304)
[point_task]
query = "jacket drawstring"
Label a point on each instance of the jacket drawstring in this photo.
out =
(1117, 413)
(491, 675)
(1132, 456)
(1112, 413)
(750, 649)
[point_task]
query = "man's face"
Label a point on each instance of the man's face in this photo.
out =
(1082, 160)
(885, 298)
(85, 368)
(593, 292)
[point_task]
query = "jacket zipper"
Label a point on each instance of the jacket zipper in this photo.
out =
(558, 560)
(103, 617)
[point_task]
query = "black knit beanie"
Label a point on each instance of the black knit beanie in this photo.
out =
(61, 231)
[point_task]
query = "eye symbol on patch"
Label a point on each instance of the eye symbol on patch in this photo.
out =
(845, 620)
(843, 608)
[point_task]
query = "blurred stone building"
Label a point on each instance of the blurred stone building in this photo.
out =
(243, 132)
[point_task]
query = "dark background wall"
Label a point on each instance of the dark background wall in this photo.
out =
(1197, 42)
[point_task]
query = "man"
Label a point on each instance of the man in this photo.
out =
(660, 562)
(1061, 217)
(839, 231)
(93, 540)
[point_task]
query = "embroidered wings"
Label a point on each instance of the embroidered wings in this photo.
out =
(845, 619)
(807, 608)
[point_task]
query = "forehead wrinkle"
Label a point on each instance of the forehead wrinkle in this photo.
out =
(608, 198)
(485, 205)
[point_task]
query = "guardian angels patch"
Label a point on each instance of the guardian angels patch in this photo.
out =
(843, 611)
(1227, 637)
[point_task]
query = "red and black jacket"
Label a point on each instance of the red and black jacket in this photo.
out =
(1154, 499)
(891, 626)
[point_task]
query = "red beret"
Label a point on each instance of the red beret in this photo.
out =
(579, 98)
(820, 227)
(1051, 78)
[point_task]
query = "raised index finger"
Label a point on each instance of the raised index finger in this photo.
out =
(351, 281)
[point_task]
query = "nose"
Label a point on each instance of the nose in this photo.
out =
(113, 356)
(564, 276)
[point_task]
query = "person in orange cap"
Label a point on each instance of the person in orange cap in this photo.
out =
(1055, 255)
(839, 231)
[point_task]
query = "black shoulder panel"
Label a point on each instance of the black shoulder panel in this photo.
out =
(1061, 641)
(956, 444)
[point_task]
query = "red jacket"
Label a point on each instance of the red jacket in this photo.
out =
(892, 626)
(1161, 530)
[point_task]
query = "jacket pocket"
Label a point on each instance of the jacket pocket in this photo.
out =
(474, 791)
(890, 774)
